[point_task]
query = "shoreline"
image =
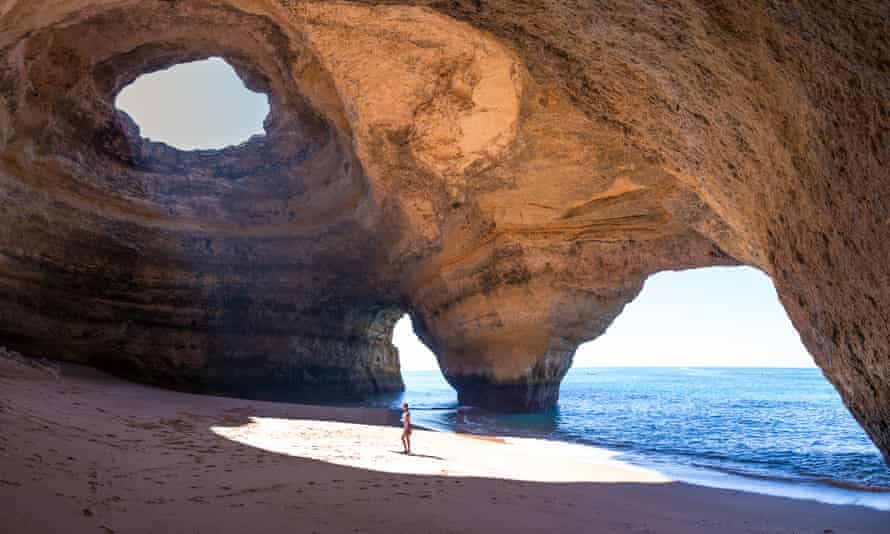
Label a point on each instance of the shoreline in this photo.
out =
(826, 492)
(85, 452)
(755, 473)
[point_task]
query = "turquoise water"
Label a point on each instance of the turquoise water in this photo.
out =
(766, 424)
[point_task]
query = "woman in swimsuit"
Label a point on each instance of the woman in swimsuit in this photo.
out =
(406, 424)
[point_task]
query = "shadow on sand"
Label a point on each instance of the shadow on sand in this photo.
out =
(156, 465)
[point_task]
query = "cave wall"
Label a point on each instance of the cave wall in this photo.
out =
(509, 173)
(230, 270)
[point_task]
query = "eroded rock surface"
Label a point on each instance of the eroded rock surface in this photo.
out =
(509, 173)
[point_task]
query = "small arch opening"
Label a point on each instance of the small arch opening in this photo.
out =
(199, 105)
(425, 386)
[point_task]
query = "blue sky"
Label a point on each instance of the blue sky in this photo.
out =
(714, 317)
(702, 317)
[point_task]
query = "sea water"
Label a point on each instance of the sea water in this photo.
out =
(778, 431)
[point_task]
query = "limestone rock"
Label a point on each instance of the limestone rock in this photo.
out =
(508, 173)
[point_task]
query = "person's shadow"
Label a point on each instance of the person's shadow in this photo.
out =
(419, 455)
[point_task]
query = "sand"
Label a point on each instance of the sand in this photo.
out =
(85, 452)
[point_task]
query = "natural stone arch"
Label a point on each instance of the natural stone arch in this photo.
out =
(508, 175)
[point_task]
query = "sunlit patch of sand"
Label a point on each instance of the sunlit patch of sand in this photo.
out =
(84, 452)
(435, 453)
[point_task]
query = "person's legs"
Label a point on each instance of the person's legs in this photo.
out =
(408, 443)
(405, 441)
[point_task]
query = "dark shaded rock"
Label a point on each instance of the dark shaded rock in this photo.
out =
(505, 397)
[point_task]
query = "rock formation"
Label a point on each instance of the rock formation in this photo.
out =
(509, 173)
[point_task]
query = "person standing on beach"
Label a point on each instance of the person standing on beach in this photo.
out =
(406, 425)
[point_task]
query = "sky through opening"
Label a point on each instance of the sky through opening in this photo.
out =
(197, 105)
(711, 317)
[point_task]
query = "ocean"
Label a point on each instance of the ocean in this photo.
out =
(776, 431)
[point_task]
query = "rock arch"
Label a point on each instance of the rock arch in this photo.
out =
(509, 175)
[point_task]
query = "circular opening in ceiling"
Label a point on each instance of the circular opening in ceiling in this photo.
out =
(201, 105)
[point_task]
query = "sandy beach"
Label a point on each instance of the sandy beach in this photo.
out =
(86, 452)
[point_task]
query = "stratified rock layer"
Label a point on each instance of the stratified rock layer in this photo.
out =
(509, 173)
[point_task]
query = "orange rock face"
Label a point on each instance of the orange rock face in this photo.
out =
(508, 173)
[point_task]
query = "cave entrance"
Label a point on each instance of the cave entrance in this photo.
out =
(704, 369)
(703, 373)
(200, 105)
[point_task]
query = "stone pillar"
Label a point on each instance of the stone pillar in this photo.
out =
(535, 391)
(508, 351)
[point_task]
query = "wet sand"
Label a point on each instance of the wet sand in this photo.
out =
(85, 452)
